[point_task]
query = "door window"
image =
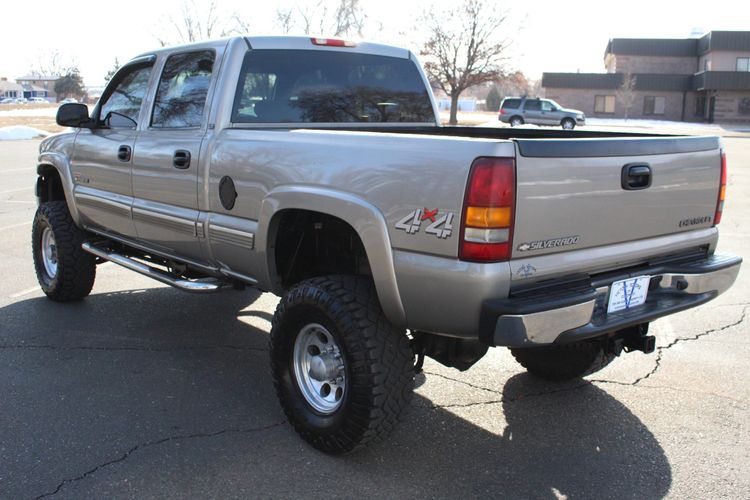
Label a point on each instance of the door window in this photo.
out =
(181, 96)
(548, 106)
(533, 105)
(120, 109)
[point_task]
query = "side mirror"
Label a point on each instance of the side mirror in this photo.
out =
(73, 115)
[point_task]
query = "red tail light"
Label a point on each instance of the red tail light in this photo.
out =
(722, 189)
(487, 223)
(332, 42)
(502, 111)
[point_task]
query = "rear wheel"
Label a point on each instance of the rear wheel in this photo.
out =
(568, 124)
(64, 271)
(515, 121)
(343, 374)
(566, 361)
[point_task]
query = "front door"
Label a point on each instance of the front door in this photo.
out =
(165, 160)
(102, 160)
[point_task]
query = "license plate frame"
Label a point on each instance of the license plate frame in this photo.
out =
(628, 293)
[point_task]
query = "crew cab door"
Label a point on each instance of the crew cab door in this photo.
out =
(102, 160)
(166, 156)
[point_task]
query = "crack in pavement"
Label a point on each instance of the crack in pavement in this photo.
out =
(677, 389)
(660, 350)
(128, 348)
(157, 442)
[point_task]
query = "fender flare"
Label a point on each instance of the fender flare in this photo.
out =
(368, 222)
(61, 163)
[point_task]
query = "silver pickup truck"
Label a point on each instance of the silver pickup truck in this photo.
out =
(316, 169)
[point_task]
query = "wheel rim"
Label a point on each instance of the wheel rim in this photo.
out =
(567, 124)
(515, 122)
(319, 368)
(49, 252)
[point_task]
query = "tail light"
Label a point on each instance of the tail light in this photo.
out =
(502, 111)
(487, 225)
(722, 189)
(332, 42)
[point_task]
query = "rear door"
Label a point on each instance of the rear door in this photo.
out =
(167, 154)
(102, 159)
(532, 111)
(582, 193)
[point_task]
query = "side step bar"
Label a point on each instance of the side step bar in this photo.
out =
(207, 285)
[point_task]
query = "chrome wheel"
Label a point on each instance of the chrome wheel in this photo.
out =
(568, 124)
(49, 252)
(319, 368)
(516, 122)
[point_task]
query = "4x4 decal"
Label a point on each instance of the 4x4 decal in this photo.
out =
(441, 225)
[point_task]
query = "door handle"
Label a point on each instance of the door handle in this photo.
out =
(636, 176)
(181, 159)
(124, 153)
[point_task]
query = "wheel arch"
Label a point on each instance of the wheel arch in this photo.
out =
(55, 181)
(365, 220)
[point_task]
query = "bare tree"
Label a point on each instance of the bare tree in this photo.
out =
(463, 48)
(626, 92)
(52, 64)
(195, 24)
(347, 18)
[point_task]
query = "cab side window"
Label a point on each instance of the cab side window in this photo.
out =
(122, 106)
(547, 106)
(183, 88)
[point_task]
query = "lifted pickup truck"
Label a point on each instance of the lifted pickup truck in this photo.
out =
(316, 169)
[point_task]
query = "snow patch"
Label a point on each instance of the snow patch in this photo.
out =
(20, 133)
(42, 111)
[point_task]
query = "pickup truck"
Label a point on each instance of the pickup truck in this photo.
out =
(316, 169)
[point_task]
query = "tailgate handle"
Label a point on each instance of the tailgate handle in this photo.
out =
(636, 176)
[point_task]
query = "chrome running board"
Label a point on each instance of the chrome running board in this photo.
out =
(207, 285)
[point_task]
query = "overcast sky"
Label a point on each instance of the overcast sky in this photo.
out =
(546, 35)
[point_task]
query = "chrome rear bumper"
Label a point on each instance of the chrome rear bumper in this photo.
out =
(578, 312)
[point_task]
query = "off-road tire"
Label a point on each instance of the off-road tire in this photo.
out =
(566, 361)
(379, 362)
(570, 122)
(76, 269)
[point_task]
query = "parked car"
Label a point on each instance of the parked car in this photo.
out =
(519, 110)
(69, 100)
(317, 169)
(38, 100)
(8, 100)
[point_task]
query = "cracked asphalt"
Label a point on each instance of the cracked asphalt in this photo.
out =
(141, 391)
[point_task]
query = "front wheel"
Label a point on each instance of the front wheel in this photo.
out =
(568, 124)
(343, 373)
(64, 271)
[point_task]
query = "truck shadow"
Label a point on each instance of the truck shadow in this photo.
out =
(138, 386)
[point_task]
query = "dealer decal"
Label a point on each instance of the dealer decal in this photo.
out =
(439, 225)
(545, 244)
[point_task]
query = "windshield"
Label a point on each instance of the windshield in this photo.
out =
(316, 86)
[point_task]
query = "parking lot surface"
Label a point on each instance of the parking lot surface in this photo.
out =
(143, 391)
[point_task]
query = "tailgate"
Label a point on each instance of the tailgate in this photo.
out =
(581, 193)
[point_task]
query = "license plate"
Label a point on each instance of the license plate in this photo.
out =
(627, 294)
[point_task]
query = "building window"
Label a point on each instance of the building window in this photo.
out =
(743, 64)
(744, 106)
(653, 105)
(604, 104)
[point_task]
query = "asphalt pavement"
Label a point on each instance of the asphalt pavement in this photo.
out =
(142, 391)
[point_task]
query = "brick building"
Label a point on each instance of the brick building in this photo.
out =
(694, 79)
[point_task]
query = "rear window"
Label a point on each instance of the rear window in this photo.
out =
(315, 86)
(511, 103)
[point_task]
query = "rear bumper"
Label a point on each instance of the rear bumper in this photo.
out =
(578, 311)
